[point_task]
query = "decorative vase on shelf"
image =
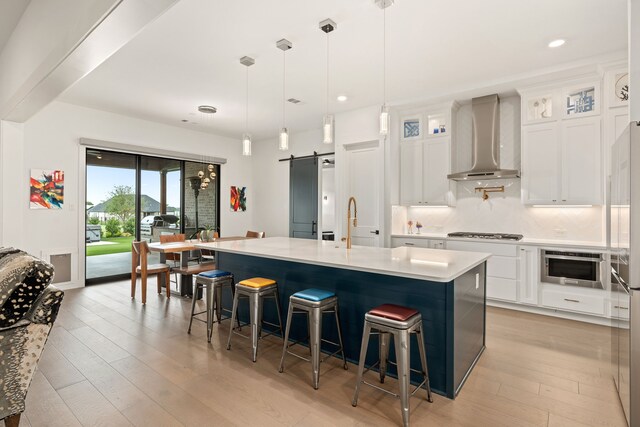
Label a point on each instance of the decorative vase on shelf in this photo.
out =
(410, 229)
(418, 226)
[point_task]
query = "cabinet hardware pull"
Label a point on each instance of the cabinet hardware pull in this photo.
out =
(409, 244)
(620, 307)
(571, 300)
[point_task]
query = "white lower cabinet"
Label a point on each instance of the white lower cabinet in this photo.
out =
(529, 274)
(502, 289)
(418, 242)
(513, 277)
(502, 267)
(619, 309)
(572, 300)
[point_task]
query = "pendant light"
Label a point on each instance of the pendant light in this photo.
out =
(206, 117)
(328, 127)
(384, 111)
(246, 136)
(283, 138)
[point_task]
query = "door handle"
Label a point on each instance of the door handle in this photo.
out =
(313, 227)
(375, 232)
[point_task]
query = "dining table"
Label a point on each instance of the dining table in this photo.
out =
(185, 270)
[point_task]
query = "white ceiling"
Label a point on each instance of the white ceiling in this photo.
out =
(190, 56)
(12, 10)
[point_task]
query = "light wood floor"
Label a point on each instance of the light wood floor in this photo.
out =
(111, 361)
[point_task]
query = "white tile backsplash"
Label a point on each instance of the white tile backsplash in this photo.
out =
(504, 213)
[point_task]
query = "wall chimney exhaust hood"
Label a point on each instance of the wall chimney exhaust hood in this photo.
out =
(486, 145)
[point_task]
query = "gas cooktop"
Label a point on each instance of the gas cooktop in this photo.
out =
(493, 236)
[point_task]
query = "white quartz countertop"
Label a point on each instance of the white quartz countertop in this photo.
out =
(417, 263)
(524, 241)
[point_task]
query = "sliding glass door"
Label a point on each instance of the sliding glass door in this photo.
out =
(111, 213)
(139, 197)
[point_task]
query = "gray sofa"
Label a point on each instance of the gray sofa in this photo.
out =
(28, 308)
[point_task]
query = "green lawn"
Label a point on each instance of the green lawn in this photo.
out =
(120, 244)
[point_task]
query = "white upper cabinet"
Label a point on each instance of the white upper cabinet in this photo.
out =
(540, 163)
(581, 159)
(426, 156)
(562, 155)
(436, 161)
(411, 160)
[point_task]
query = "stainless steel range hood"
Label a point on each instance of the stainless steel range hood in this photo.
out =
(486, 145)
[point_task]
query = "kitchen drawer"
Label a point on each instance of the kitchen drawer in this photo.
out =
(504, 267)
(571, 301)
(502, 289)
(407, 241)
(619, 310)
(501, 249)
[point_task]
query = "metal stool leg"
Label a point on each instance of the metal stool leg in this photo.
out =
(402, 343)
(277, 297)
(286, 337)
(193, 307)
(384, 354)
(316, 344)
(209, 299)
(344, 359)
(423, 360)
(234, 317)
(256, 322)
(363, 355)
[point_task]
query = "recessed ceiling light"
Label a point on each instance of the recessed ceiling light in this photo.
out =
(342, 98)
(557, 43)
(207, 109)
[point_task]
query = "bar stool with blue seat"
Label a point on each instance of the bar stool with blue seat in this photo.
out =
(212, 282)
(400, 322)
(255, 290)
(314, 303)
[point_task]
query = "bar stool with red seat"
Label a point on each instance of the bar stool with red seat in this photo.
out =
(400, 322)
(256, 290)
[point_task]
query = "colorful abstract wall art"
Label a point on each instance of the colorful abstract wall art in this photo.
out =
(46, 189)
(238, 198)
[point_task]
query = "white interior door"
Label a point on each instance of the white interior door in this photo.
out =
(364, 177)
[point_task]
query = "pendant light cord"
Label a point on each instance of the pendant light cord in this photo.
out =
(284, 78)
(384, 56)
(246, 123)
(327, 106)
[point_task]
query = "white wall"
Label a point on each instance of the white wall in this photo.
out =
(328, 198)
(51, 142)
(353, 127)
(270, 188)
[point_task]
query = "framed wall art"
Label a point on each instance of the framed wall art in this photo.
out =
(238, 198)
(46, 189)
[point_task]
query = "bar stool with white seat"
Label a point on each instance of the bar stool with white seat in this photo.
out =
(255, 290)
(212, 283)
(314, 303)
(400, 322)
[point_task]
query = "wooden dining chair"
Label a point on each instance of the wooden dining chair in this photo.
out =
(139, 265)
(174, 257)
(208, 254)
(257, 234)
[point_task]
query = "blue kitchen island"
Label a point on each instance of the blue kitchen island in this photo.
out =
(447, 287)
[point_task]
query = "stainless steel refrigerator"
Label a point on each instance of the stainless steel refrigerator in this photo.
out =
(623, 239)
